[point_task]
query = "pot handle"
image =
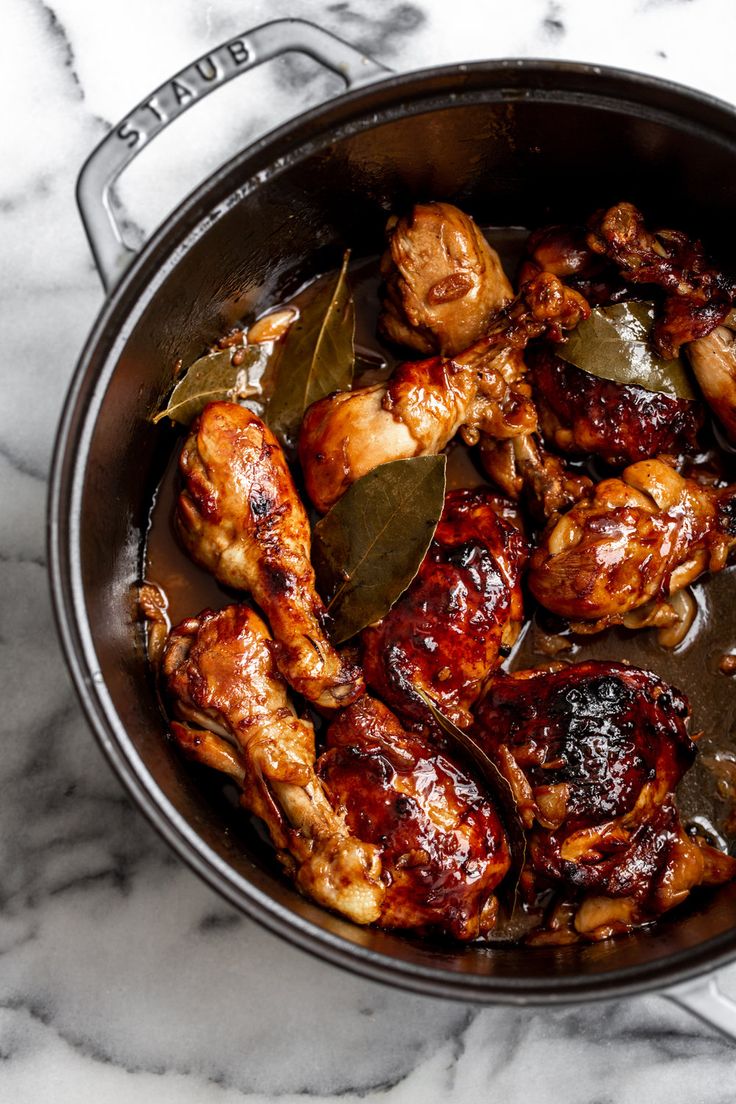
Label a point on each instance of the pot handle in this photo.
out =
(102, 168)
(704, 999)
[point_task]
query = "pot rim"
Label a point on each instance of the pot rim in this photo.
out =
(68, 464)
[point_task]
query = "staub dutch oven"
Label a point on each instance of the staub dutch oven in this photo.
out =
(518, 143)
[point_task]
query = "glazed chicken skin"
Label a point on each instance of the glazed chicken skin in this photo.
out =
(631, 542)
(239, 516)
(617, 258)
(383, 816)
(584, 415)
(698, 296)
(219, 669)
(593, 753)
(442, 846)
(458, 619)
(425, 403)
(443, 282)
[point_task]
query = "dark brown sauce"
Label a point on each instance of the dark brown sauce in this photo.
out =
(693, 667)
(189, 588)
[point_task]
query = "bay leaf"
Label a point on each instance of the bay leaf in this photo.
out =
(469, 749)
(614, 344)
(369, 547)
(316, 358)
(213, 378)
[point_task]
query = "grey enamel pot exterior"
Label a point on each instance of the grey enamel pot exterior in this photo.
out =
(519, 143)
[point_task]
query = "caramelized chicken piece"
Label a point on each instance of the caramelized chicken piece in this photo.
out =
(631, 541)
(443, 281)
(219, 669)
(460, 616)
(580, 413)
(593, 753)
(698, 295)
(239, 516)
(417, 413)
(524, 470)
(713, 360)
(587, 743)
(425, 403)
(442, 846)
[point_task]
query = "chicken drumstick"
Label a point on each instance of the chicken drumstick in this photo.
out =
(239, 516)
(382, 829)
(219, 669)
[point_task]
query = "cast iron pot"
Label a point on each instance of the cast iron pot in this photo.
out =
(518, 143)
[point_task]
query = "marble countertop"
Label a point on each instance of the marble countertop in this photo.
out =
(122, 977)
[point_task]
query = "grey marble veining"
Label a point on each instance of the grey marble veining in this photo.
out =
(122, 977)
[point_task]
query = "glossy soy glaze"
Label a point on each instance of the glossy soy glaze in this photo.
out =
(189, 589)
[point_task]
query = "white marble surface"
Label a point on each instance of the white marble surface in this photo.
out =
(122, 978)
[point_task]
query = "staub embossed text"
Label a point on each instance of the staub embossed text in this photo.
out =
(182, 90)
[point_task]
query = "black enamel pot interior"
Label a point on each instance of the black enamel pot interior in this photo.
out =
(516, 143)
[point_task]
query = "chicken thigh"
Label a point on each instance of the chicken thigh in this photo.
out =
(239, 516)
(422, 244)
(584, 415)
(631, 541)
(458, 619)
(442, 846)
(698, 299)
(593, 753)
